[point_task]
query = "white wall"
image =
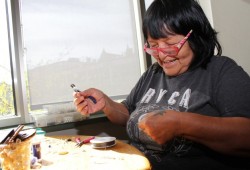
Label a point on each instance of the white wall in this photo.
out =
(231, 19)
(206, 6)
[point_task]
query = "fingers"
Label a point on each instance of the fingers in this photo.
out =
(80, 103)
(88, 101)
(82, 107)
(89, 92)
(144, 122)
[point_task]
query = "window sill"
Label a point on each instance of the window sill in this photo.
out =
(47, 119)
(100, 116)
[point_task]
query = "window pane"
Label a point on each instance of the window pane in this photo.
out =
(91, 43)
(147, 3)
(6, 92)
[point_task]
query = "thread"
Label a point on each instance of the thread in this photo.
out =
(103, 142)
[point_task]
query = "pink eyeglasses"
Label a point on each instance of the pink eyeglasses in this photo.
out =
(171, 51)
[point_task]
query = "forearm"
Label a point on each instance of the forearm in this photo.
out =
(225, 135)
(116, 112)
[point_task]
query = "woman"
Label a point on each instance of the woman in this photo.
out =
(191, 109)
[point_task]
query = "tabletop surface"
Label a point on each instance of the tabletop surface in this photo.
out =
(59, 152)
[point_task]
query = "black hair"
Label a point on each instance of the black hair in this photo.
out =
(169, 17)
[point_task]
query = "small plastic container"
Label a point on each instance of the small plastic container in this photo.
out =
(37, 143)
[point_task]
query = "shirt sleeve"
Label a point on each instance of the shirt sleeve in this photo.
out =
(232, 90)
(139, 89)
(131, 100)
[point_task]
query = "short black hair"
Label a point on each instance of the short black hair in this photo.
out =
(168, 17)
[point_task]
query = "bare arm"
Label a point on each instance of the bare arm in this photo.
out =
(226, 135)
(116, 112)
(229, 135)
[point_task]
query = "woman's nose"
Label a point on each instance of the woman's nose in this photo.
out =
(161, 54)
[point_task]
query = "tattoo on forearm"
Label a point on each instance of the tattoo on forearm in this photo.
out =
(161, 112)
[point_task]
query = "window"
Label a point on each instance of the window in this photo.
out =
(90, 43)
(147, 3)
(6, 91)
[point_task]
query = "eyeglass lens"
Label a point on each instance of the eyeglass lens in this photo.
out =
(171, 51)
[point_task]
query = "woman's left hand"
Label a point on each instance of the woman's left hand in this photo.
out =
(161, 126)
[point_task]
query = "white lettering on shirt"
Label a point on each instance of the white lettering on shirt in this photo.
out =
(172, 100)
(162, 92)
(150, 93)
(185, 98)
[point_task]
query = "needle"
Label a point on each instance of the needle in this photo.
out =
(77, 90)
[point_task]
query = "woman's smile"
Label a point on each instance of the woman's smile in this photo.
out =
(170, 62)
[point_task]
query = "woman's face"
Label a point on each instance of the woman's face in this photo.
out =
(172, 66)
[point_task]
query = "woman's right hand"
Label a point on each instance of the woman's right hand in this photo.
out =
(85, 105)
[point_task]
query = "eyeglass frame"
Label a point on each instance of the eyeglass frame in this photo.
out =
(177, 47)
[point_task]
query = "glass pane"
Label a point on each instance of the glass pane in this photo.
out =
(6, 92)
(91, 43)
(147, 3)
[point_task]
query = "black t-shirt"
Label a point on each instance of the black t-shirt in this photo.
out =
(222, 90)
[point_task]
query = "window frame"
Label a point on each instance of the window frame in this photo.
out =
(18, 65)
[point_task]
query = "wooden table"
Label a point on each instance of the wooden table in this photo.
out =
(59, 154)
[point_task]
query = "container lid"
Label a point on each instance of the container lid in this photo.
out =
(39, 131)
